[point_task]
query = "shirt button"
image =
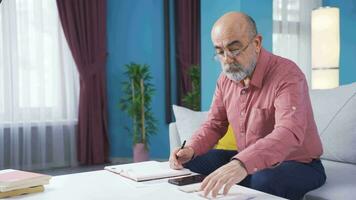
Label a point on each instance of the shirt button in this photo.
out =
(242, 113)
(294, 108)
(243, 92)
(255, 169)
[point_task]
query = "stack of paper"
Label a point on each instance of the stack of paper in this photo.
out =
(16, 182)
(147, 170)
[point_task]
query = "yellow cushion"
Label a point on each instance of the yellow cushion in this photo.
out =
(227, 142)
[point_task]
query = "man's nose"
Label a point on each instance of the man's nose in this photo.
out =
(227, 59)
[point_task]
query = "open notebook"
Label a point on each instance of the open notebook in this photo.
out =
(147, 170)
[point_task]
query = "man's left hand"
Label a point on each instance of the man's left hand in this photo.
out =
(228, 175)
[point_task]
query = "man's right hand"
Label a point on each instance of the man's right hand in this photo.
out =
(180, 156)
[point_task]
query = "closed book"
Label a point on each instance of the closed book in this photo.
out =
(148, 170)
(16, 179)
(22, 191)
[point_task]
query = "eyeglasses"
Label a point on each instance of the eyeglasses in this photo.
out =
(232, 53)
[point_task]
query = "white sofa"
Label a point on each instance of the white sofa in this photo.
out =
(335, 115)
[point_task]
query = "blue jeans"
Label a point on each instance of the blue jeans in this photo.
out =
(289, 180)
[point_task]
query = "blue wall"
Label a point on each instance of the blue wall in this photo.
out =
(135, 34)
(260, 11)
(347, 38)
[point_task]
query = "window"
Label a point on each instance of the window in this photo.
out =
(291, 31)
(38, 77)
(38, 88)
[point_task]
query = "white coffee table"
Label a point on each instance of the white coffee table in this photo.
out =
(104, 185)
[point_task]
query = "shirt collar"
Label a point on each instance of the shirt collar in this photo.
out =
(260, 69)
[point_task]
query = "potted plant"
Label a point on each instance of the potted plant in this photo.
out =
(136, 102)
(192, 98)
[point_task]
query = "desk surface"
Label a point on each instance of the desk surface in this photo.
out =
(104, 185)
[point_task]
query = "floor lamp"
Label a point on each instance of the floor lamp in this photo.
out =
(325, 28)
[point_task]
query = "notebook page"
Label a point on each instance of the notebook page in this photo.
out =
(147, 170)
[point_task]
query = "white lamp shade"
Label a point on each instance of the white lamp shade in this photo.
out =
(325, 79)
(325, 47)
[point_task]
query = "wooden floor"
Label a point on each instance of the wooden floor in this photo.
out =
(72, 170)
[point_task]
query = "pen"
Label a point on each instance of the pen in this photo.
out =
(181, 147)
(183, 144)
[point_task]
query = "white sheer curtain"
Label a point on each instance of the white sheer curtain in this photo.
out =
(292, 31)
(38, 87)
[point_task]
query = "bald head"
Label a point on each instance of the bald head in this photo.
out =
(234, 23)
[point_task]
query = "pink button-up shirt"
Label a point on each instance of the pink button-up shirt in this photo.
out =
(272, 118)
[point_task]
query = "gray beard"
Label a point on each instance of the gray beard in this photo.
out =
(236, 72)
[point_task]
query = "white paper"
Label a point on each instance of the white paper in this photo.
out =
(234, 193)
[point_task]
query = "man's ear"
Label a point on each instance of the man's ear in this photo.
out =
(258, 42)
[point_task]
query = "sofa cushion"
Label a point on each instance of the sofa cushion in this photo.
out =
(227, 142)
(340, 182)
(188, 121)
(334, 113)
(174, 139)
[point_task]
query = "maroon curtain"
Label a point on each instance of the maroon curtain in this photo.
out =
(187, 29)
(84, 25)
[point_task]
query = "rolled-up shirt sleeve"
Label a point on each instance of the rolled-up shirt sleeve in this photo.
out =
(214, 127)
(289, 130)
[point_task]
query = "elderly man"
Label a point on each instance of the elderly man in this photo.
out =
(265, 99)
